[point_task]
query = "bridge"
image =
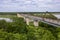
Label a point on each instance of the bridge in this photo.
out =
(28, 18)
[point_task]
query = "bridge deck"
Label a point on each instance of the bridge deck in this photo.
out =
(48, 21)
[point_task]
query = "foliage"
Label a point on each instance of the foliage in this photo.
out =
(18, 30)
(11, 36)
(39, 34)
(18, 26)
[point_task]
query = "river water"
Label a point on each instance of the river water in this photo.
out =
(7, 19)
(57, 15)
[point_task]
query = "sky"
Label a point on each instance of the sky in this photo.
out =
(29, 5)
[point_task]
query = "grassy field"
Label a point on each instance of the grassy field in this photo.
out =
(8, 16)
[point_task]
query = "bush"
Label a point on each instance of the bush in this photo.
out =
(39, 34)
(11, 36)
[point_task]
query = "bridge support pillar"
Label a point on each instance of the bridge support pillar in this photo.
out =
(18, 15)
(24, 19)
(27, 21)
(36, 23)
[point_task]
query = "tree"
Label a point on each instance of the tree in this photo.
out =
(39, 34)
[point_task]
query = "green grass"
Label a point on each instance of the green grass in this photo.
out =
(8, 16)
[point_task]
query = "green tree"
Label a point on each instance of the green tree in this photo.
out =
(39, 33)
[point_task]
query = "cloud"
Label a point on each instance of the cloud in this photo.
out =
(29, 5)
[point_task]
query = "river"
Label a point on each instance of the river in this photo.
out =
(7, 19)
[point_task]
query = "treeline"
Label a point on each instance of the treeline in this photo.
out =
(14, 13)
(8, 13)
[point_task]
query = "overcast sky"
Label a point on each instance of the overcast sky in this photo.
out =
(29, 5)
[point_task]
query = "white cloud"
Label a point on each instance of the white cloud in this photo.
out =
(28, 5)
